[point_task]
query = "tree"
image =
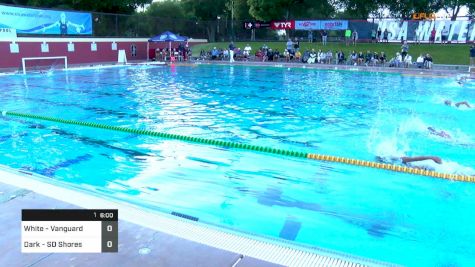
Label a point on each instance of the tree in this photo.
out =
(288, 9)
(110, 6)
(358, 9)
(453, 7)
(206, 11)
(405, 8)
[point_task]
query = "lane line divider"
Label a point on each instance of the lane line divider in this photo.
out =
(290, 153)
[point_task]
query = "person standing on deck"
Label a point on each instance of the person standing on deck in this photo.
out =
(231, 52)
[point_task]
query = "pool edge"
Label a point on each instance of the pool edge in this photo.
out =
(258, 248)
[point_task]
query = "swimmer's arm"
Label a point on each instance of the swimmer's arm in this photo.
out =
(462, 103)
(421, 158)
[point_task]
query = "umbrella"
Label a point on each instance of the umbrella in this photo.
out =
(166, 37)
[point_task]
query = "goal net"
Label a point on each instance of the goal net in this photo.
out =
(38, 64)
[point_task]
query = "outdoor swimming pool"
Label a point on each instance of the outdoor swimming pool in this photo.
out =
(399, 218)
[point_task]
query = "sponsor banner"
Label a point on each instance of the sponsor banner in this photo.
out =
(283, 25)
(260, 24)
(7, 34)
(41, 21)
(334, 25)
(308, 25)
(248, 25)
(459, 31)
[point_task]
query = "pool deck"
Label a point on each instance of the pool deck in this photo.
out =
(437, 71)
(182, 243)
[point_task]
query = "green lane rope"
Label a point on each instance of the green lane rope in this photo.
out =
(264, 149)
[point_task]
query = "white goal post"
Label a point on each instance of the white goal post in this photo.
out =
(24, 59)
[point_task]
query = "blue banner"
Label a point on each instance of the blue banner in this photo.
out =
(42, 21)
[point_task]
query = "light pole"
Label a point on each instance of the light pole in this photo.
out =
(232, 20)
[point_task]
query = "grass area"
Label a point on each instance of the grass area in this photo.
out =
(457, 54)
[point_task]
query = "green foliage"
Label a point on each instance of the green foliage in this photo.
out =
(111, 6)
(166, 9)
(405, 8)
(453, 6)
(288, 9)
(358, 9)
(205, 9)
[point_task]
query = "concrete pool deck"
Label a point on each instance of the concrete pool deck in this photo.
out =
(141, 243)
(436, 71)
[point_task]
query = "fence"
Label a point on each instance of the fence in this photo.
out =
(225, 29)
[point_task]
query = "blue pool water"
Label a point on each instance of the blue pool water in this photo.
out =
(400, 218)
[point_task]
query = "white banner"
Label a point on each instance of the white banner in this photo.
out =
(334, 25)
(7, 34)
(460, 31)
(308, 25)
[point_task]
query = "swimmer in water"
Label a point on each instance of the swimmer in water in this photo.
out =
(457, 104)
(441, 133)
(409, 161)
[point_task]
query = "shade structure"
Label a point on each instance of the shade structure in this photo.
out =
(167, 37)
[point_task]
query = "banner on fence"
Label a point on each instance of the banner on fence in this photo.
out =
(329, 25)
(42, 21)
(309, 25)
(459, 31)
(283, 25)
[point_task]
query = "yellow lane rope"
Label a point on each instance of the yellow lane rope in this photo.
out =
(319, 157)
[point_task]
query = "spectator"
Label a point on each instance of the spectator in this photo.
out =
(472, 55)
(231, 52)
(385, 35)
(347, 36)
(404, 49)
(286, 55)
(312, 57)
(432, 36)
(360, 58)
(375, 59)
(445, 35)
(289, 45)
(296, 44)
(270, 55)
(305, 56)
(310, 36)
(260, 55)
(298, 55)
(224, 54)
(407, 61)
(329, 57)
(382, 58)
(420, 61)
(428, 61)
(373, 36)
(398, 60)
(341, 57)
(368, 57)
(321, 56)
(378, 35)
(416, 36)
(324, 37)
(214, 53)
(354, 58)
(354, 37)
(247, 50)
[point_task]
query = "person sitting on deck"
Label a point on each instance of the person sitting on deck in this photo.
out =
(457, 104)
(428, 61)
(420, 61)
(312, 57)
